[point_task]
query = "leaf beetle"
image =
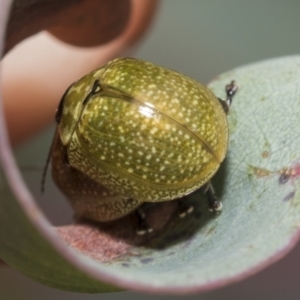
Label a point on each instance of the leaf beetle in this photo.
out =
(132, 132)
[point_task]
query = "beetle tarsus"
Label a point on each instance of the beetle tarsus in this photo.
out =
(231, 90)
(143, 227)
(144, 231)
(214, 205)
(184, 209)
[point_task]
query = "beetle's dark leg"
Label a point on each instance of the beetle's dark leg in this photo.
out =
(184, 208)
(143, 227)
(214, 204)
(231, 89)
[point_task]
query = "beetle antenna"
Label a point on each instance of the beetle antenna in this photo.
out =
(45, 171)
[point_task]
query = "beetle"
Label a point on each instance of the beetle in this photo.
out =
(132, 132)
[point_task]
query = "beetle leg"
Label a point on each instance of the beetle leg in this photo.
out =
(143, 227)
(184, 209)
(214, 204)
(231, 89)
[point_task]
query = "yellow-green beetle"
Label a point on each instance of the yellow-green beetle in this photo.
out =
(132, 132)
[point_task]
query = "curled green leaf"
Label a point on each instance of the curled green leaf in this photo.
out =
(258, 184)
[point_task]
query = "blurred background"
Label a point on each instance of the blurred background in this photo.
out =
(201, 39)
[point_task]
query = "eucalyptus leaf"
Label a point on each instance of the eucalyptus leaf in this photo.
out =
(257, 184)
